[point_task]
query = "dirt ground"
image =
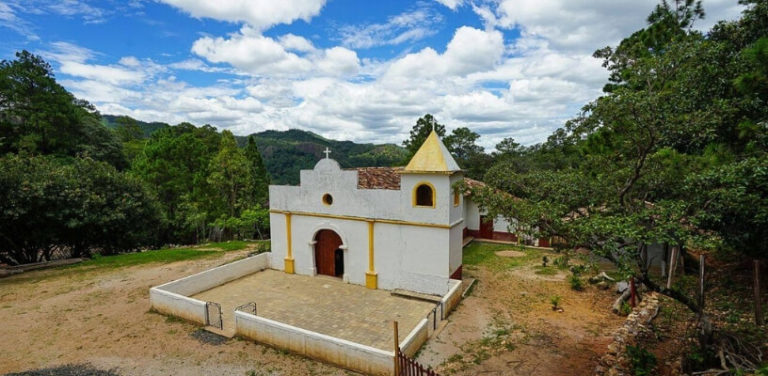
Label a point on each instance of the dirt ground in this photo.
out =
(101, 317)
(55, 317)
(506, 326)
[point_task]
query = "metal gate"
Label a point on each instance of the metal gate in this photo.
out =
(213, 315)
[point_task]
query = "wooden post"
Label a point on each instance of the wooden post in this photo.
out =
(632, 291)
(701, 283)
(672, 261)
(758, 303)
(397, 351)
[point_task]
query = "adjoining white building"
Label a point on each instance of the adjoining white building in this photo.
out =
(382, 227)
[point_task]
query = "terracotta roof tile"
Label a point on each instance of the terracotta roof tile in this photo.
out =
(378, 178)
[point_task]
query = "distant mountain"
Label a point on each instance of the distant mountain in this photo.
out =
(148, 128)
(287, 152)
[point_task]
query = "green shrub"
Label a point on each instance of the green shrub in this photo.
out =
(576, 282)
(562, 261)
(555, 300)
(641, 361)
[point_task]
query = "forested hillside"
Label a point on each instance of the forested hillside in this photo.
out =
(285, 153)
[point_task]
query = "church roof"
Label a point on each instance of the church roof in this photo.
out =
(389, 178)
(432, 156)
(378, 177)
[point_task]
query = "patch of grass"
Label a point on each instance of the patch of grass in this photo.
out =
(232, 245)
(480, 253)
(540, 270)
(146, 257)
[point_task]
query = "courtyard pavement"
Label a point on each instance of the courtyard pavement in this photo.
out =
(321, 304)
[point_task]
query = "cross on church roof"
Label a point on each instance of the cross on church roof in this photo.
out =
(327, 151)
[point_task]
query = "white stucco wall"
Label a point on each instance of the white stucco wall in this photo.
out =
(344, 353)
(412, 257)
(172, 298)
(217, 276)
(471, 214)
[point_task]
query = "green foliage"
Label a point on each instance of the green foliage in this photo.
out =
(625, 309)
(641, 361)
(423, 127)
(230, 175)
(49, 205)
(140, 258)
(555, 301)
(285, 153)
(175, 165)
(575, 282)
(39, 116)
(259, 186)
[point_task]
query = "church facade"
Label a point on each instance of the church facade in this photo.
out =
(386, 228)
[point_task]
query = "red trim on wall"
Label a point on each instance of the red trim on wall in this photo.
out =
(543, 242)
(457, 273)
(496, 235)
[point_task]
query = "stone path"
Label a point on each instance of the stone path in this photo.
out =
(321, 304)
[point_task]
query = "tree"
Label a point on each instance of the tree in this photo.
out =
(231, 175)
(50, 205)
(259, 175)
(423, 127)
(175, 165)
(128, 129)
(733, 201)
(38, 116)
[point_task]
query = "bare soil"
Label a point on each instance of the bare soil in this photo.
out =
(57, 317)
(507, 327)
(100, 319)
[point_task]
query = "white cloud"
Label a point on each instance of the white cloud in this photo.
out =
(451, 4)
(471, 50)
(10, 20)
(523, 88)
(254, 53)
(261, 14)
(405, 27)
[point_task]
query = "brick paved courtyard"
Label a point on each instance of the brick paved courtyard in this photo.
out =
(321, 304)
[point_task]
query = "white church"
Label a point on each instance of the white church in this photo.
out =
(382, 227)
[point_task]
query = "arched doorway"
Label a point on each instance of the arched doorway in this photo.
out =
(329, 257)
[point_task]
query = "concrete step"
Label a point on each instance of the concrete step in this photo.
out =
(416, 295)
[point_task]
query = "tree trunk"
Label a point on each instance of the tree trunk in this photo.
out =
(758, 298)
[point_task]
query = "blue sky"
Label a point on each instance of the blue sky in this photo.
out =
(346, 69)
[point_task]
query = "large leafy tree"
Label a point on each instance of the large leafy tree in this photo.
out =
(175, 164)
(259, 176)
(48, 205)
(230, 175)
(423, 127)
(38, 116)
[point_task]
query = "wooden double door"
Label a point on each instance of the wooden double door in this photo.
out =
(329, 257)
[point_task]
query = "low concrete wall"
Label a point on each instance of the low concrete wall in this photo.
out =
(177, 305)
(412, 343)
(452, 298)
(172, 298)
(329, 349)
(209, 279)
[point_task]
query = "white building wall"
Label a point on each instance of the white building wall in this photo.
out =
(471, 214)
(456, 211)
(278, 239)
(407, 256)
(456, 242)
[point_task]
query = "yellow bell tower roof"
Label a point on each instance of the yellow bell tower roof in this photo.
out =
(432, 157)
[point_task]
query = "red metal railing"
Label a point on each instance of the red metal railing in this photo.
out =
(409, 367)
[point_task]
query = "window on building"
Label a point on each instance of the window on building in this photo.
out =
(425, 196)
(456, 198)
